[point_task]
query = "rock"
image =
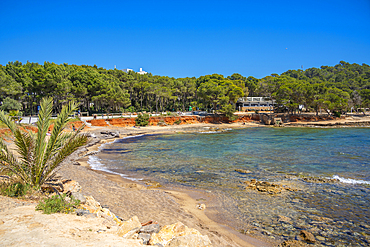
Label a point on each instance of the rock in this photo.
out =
(320, 180)
(79, 196)
(293, 243)
(190, 241)
(128, 226)
(70, 186)
(81, 212)
(284, 219)
(92, 205)
(201, 206)
(167, 233)
(267, 187)
(153, 228)
(243, 171)
(1, 222)
(145, 237)
(307, 236)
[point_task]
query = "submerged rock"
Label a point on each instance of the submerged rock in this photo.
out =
(267, 187)
(320, 180)
(243, 171)
(307, 236)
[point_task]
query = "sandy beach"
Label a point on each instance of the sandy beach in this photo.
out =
(127, 198)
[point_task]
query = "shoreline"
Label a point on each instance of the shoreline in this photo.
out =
(210, 217)
(166, 205)
(187, 198)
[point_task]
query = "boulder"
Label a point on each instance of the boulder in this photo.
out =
(152, 228)
(169, 232)
(70, 186)
(128, 226)
(307, 236)
(145, 237)
(79, 196)
(191, 240)
(92, 205)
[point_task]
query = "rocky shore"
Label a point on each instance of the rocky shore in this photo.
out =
(171, 208)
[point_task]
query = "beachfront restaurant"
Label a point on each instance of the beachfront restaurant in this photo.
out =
(254, 103)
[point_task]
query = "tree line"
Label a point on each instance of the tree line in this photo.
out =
(332, 88)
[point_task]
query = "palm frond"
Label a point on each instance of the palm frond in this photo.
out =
(43, 124)
(57, 138)
(39, 157)
(72, 145)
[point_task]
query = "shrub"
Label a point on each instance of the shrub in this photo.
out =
(17, 189)
(57, 204)
(177, 122)
(336, 114)
(142, 120)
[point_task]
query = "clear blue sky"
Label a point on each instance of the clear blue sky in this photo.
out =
(187, 38)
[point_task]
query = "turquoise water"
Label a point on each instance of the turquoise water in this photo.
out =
(338, 213)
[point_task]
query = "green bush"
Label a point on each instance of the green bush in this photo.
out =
(336, 114)
(142, 120)
(57, 204)
(177, 122)
(17, 189)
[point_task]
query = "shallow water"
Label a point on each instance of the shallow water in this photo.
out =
(336, 213)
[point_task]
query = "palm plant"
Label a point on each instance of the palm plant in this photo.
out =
(39, 155)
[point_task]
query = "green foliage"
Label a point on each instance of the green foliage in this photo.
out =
(38, 155)
(142, 120)
(100, 90)
(177, 122)
(130, 109)
(10, 104)
(336, 114)
(16, 189)
(57, 204)
(229, 110)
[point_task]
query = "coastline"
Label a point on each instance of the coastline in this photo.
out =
(187, 199)
(127, 198)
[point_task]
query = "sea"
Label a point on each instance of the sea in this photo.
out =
(329, 168)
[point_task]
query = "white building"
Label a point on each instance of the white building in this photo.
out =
(142, 72)
(127, 70)
(246, 103)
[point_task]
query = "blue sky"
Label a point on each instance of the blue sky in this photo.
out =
(187, 38)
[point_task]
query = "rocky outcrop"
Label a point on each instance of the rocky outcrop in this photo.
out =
(149, 233)
(179, 235)
(129, 228)
(267, 187)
